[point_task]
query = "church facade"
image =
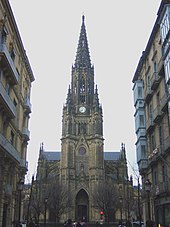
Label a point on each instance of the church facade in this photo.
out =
(82, 165)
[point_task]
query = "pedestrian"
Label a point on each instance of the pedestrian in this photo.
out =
(17, 224)
(78, 224)
(31, 224)
(97, 224)
(120, 224)
(128, 223)
(69, 223)
(149, 223)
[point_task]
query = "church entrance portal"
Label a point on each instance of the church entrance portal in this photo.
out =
(82, 206)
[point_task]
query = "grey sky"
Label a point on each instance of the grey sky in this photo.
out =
(117, 33)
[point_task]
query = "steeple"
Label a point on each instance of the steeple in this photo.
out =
(82, 81)
(82, 55)
(82, 92)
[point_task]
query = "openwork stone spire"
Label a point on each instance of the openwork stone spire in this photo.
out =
(82, 55)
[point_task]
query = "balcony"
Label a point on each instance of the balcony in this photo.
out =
(159, 153)
(26, 133)
(9, 149)
(8, 63)
(27, 105)
(139, 104)
(24, 164)
(161, 187)
(157, 114)
(155, 80)
(166, 143)
(164, 103)
(160, 67)
(6, 101)
(154, 155)
(141, 132)
(148, 93)
(149, 124)
(143, 164)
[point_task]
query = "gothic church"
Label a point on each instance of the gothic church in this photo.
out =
(82, 164)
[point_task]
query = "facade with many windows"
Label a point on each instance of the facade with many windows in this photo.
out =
(152, 118)
(15, 86)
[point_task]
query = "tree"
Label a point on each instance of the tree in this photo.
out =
(106, 198)
(36, 201)
(58, 199)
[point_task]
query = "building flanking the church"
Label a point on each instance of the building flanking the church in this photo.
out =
(82, 166)
(16, 78)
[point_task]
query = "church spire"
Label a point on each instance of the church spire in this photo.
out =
(82, 55)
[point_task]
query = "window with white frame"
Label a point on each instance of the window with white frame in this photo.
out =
(165, 25)
(167, 67)
(141, 120)
(143, 151)
(140, 92)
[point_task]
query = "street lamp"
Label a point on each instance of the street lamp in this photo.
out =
(139, 213)
(20, 188)
(148, 189)
(121, 202)
(45, 210)
(30, 197)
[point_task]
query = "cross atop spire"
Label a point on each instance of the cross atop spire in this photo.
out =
(82, 56)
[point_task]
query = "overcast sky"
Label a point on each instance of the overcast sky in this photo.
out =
(117, 33)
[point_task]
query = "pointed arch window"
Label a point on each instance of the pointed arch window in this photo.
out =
(82, 128)
(89, 88)
(82, 98)
(75, 89)
(79, 128)
(75, 85)
(82, 85)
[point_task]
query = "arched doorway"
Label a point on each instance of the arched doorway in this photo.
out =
(82, 206)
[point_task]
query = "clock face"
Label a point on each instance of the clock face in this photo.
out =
(82, 150)
(82, 109)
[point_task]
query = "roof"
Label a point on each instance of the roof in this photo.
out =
(52, 155)
(55, 155)
(111, 155)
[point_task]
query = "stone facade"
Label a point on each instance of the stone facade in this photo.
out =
(15, 86)
(152, 117)
(82, 165)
